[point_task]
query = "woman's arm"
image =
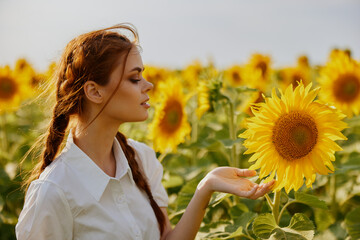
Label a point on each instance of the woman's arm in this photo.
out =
(222, 179)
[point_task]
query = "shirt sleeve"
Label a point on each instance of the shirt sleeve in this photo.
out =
(153, 170)
(46, 214)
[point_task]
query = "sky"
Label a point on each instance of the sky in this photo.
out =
(175, 33)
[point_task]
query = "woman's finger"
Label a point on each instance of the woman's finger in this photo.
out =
(245, 172)
(249, 193)
(263, 189)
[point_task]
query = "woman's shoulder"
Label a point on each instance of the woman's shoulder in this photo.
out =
(145, 153)
(57, 173)
(143, 150)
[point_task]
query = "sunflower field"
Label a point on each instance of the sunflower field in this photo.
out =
(299, 125)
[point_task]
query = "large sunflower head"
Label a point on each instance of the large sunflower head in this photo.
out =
(170, 127)
(340, 83)
(293, 137)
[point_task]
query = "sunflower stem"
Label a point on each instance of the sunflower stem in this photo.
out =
(333, 205)
(232, 133)
(194, 135)
(269, 201)
(162, 156)
(284, 208)
(3, 132)
(276, 205)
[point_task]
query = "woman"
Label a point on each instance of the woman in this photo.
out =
(102, 185)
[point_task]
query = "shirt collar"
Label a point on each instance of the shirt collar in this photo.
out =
(92, 177)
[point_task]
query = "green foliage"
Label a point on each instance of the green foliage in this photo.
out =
(310, 200)
(300, 228)
(352, 221)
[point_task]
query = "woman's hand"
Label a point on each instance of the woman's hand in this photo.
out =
(231, 180)
(221, 179)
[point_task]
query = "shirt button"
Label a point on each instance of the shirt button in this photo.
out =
(120, 200)
(137, 234)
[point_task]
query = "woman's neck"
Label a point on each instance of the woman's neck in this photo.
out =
(97, 141)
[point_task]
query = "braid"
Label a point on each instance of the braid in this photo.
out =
(55, 136)
(140, 180)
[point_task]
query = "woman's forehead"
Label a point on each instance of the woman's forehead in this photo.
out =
(134, 59)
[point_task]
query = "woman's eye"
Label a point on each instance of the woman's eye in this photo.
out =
(133, 80)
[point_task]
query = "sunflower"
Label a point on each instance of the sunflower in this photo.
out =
(195, 72)
(10, 90)
(336, 53)
(170, 127)
(234, 76)
(293, 75)
(23, 65)
(340, 83)
(203, 99)
(303, 61)
(191, 74)
(29, 77)
(258, 71)
(253, 98)
(155, 75)
(293, 137)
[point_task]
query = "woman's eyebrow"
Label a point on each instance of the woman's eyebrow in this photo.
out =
(139, 69)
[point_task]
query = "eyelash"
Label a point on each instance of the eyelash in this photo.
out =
(135, 80)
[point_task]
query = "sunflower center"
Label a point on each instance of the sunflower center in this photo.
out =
(263, 67)
(347, 88)
(8, 88)
(236, 77)
(294, 135)
(172, 118)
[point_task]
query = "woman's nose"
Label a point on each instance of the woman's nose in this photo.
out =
(148, 86)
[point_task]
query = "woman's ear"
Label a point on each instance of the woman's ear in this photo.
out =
(92, 92)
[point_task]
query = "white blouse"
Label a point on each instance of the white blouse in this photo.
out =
(75, 199)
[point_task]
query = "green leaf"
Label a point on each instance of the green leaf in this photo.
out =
(301, 227)
(238, 210)
(173, 181)
(218, 198)
(352, 222)
(237, 233)
(285, 234)
(323, 219)
(243, 89)
(2, 203)
(310, 200)
(301, 222)
(264, 225)
(187, 191)
(242, 221)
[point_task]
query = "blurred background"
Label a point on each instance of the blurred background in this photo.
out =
(174, 33)
(214, 59)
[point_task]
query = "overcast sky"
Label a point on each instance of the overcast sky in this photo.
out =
(174, 33)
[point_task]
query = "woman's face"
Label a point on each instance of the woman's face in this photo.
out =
(129, 102)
